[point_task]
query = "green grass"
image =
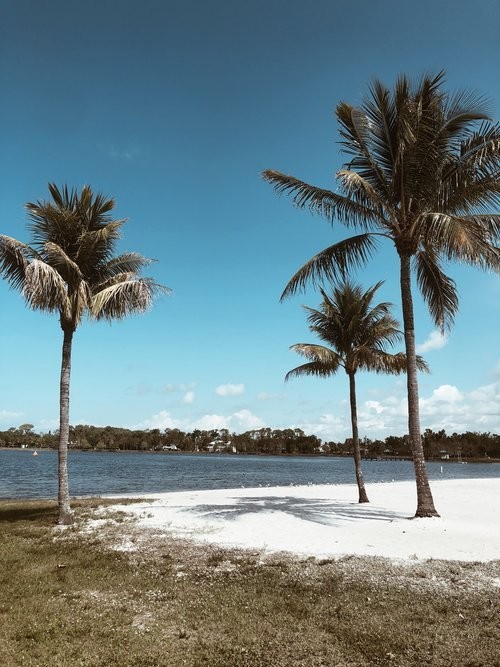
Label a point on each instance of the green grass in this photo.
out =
(70, 598)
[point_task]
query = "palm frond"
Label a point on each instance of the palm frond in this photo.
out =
(380, 361)
(92, 209)
(114, 280)
(317, 368)
(48, 223)
(14, 260)
(333, 263)
(318, 353)
(468, 239)
(124, 298)
(360, 191)
(356, 132)
(478, 148)
(44, 288)
(79, 302)
(96, 247)
(131, 262)
(438, 290)
(323, 202)
(59, 260)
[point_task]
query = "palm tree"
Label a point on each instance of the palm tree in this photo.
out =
(358, 334)
(423, 173)
(71, 269)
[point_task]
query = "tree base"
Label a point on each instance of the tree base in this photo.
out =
(65, 518)
(363, 500)
(425, 514)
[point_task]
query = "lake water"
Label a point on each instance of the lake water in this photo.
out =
(23, 475)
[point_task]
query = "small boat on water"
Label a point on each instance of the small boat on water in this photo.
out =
(35, 453)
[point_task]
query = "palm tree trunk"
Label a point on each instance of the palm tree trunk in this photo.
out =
(65, 515)
(425, 502)
(363, 497)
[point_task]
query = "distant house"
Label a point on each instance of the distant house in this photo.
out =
(170, 448)
(443, 455)
(219, 445)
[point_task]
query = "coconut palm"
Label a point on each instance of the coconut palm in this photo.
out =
(423, 173)
(70, 268)
(358, 334)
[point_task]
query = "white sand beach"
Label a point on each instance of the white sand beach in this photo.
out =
(327, 522)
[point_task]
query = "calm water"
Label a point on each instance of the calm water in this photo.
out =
(94, 473)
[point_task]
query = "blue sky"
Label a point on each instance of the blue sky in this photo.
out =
(174, 108)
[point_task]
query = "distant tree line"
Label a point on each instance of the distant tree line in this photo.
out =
(289, 441)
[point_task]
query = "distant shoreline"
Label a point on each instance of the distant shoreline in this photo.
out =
(396, 459)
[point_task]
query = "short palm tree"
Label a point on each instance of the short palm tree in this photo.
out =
(423, 173)
(71, 269)
(358, 334)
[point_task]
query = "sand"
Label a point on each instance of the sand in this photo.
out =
(326, 521)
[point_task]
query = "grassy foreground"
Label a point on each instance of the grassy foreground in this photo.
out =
(76, 597)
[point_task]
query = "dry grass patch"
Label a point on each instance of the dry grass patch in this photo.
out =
(120, 596)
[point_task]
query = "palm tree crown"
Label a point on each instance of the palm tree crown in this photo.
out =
(70, 267)
(423, 172)
(357, 333)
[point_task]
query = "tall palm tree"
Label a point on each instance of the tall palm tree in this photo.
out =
(358, 334)
(423, 173)
(71, 269)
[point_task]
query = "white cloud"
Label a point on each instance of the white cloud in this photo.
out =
(189, 397)
(374, 406)
(244, 420)
(230, 389)
(446, 393)
(161, 420)
(453, 410)
(445, 407)
(208, 422)
(240, 421)
(435, 341)
(7, 416)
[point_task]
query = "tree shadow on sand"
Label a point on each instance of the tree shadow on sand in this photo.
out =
(326, 512)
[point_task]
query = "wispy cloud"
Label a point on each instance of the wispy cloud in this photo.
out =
(434, 341)
(188, 397)
(7, 416)
(230, 390)
(122, 153)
